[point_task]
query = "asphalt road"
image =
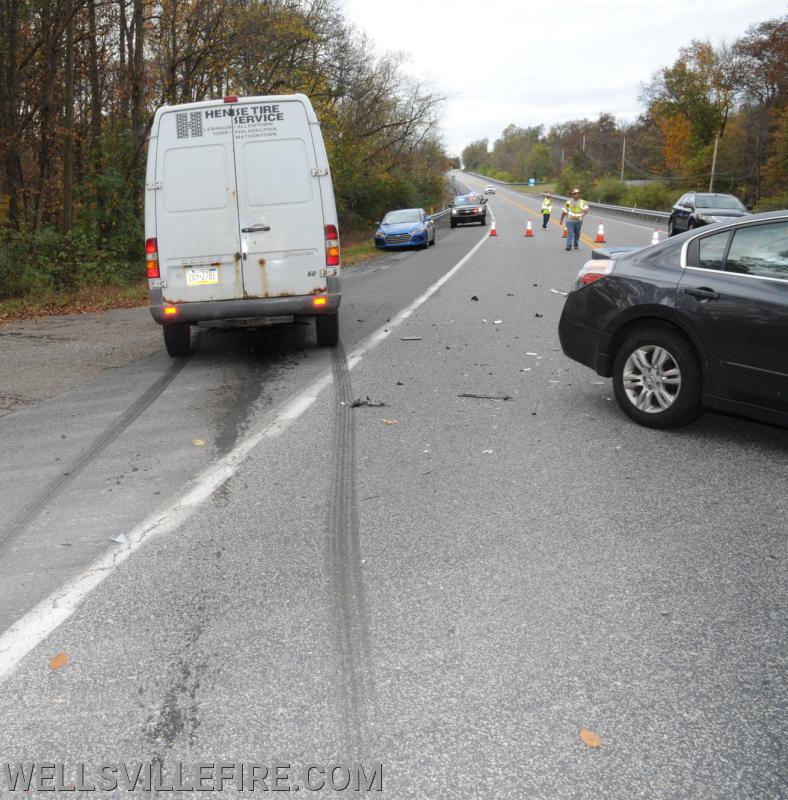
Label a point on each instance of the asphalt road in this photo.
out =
(453, 587)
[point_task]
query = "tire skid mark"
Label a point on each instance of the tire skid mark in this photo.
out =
(354, 681)
(36, 505)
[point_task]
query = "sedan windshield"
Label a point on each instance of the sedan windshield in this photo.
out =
(403, 215)
(719, 201)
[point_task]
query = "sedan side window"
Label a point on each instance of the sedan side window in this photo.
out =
(711, 250)
(760, 250)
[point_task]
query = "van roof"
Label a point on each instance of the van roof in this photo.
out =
(271, 98)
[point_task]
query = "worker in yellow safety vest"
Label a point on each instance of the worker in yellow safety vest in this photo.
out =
(574, 211)
(547, 209)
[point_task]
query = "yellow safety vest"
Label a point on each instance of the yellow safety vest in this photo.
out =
(547, 206)
(574, 210)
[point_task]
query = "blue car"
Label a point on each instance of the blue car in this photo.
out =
(407, 227)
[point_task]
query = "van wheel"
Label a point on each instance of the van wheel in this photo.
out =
(656, 378)
(327, 329)
(177, 339)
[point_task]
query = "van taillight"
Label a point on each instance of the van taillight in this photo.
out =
(332, 246)
(152, 257)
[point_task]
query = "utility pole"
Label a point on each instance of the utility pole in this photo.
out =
(714, 163)
(584, 142)
(623, 157)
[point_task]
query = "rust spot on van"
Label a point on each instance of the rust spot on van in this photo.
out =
(285, 294)
(318, 290)
(261, 262)
(216, 263)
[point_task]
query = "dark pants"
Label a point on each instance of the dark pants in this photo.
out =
(545, 220)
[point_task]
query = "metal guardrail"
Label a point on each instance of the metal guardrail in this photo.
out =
(647, 214)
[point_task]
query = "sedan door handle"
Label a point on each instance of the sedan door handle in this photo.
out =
(703, 293)
(256, 229)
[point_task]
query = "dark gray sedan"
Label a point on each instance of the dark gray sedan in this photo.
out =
(700, 320)
(704, 208)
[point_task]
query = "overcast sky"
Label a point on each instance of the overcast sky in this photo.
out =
(504, 61)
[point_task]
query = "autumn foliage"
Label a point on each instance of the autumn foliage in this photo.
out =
(80, 81)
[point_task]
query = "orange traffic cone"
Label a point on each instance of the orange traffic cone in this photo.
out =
(655, 237)
(600, 234)
(528, 229)
(565, 234)
(493, 232)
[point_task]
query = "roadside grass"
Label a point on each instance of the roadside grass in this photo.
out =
(537, 190)
(78, 301)
(357, 253)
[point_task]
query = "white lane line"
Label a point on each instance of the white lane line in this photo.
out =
(24, 634)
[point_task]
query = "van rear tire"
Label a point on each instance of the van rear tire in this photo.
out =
(327, 329)
(177, 339)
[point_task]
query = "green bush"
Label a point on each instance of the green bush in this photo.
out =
(777, 202)
(45, 260)
(572, 178)
(608, 190)
(654, 196)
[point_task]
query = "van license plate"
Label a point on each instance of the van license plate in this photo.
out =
(200, 277)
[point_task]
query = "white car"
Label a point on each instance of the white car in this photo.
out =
(489, 190)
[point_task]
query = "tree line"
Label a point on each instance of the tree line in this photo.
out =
(80, 81)
(730, 98)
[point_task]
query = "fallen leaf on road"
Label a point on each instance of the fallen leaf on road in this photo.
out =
(410, 338)
(59, 661)
(389, 421)
(198, 442)
(589, 738)
(475, 299)
(538, 315)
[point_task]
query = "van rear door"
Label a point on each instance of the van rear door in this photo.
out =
(279, 203)
(196, 211)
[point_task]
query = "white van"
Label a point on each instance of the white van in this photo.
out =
(240, 218)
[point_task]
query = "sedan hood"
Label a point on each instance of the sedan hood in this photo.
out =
(722, 213)
(399, 227)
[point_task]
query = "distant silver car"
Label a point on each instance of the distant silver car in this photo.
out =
(489, 190)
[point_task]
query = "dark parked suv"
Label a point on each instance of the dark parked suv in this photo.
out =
(700, 320)
(703, 208)
(468, 208)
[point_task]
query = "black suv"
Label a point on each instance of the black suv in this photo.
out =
(468, 208)
(702, 208)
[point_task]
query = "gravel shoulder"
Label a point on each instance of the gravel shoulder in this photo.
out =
(40, 358)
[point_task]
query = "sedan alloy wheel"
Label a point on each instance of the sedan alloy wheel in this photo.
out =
(656, 378)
